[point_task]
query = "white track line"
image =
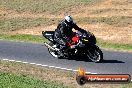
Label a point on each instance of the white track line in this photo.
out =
(12, 60)
(32, 63)
(47, 66)
(25, 62)
(44, 65)
(5, 59)
(19, 61)
(39, 64)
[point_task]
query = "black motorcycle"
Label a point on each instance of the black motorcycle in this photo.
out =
(84, 44)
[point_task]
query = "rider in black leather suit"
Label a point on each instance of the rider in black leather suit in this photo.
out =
(64, 31)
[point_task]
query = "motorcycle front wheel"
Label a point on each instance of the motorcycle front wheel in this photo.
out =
(95, 54)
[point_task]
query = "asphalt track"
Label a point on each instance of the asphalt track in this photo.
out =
(114, 62)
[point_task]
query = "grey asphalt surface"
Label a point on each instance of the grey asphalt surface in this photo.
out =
(114, 62)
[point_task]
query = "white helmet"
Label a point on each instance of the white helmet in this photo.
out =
(68, 19)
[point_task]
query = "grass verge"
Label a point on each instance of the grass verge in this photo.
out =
(116, 21)
(37, 38)
(12, 24)
(23, 37)
(19, 75)
(118, 46)
(9, 80)
(33, 76)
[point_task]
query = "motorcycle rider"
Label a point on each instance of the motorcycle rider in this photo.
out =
(64, 32)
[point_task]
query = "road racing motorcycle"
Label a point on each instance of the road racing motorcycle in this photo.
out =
(84, 44)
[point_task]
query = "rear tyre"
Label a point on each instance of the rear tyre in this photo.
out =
(52, 52)
(56, 54)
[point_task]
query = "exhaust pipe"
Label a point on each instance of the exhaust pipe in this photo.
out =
(50, 47)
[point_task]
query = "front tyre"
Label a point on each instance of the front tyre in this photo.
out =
(95, 54)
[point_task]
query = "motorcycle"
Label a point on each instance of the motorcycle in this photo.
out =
(84, 44)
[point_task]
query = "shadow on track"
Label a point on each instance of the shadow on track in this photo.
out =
(112, 61)
(85, 59)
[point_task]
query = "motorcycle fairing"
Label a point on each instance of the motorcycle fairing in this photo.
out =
(48, 35)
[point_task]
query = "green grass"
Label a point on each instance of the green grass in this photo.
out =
(39, 6)
(106, 44)
(23, 37)
(38, 38)
(117, 21)
(12, 24)
(36, 72)
(20, 75)
(9, 80)
(127, 85)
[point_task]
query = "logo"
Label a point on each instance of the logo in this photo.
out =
(83, 78)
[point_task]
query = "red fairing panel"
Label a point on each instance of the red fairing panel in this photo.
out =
(74, 39)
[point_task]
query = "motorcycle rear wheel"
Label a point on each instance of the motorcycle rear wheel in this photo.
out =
(55, 54)
(52, 52)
